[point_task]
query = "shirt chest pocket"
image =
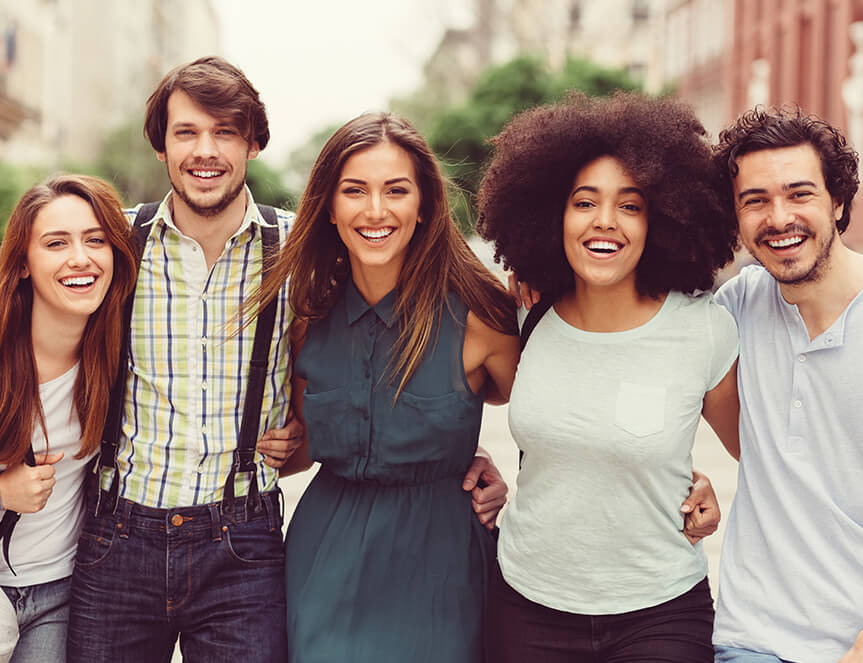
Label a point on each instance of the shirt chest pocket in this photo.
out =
(640, 409)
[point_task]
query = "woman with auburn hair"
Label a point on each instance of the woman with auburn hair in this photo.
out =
(611, 208)
(400, 336)
(66, 267)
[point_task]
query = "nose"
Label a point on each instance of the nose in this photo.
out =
(376, 208)
(79, 257)
(780, 213)
(205, 146)
(605, 218)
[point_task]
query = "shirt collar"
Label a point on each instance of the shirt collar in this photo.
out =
(253, 214)
(357, 306)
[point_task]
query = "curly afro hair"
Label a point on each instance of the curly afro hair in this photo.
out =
(762, 129)
(691, 228)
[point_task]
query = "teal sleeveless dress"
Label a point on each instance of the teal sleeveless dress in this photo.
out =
(386, 561)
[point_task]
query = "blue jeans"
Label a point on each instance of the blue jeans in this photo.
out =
(725, 654)
(211, 574)
(43, 615)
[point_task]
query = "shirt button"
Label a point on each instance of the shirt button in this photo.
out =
(798, 404)
(368, 373)
(365, 415)
(204, 385)
(204, 297)
(802, 358)
(829, 339)
(204, 341)
(204, 428)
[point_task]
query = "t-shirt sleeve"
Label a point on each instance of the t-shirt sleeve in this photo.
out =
(723, 330)
(730, 294)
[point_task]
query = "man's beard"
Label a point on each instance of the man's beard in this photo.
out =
(815, 272)
(214, 209)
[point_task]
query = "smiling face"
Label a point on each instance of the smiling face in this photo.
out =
(375, 208)
(69, 262)
(787, 217)
(604, 225)
(206, 157)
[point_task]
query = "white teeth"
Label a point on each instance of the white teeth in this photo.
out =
(601, 245)
(375, 233)
(79, 280)
(206, 173)
(782, 243)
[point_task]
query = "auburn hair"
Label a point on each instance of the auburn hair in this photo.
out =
(438, 260)
(101, 341)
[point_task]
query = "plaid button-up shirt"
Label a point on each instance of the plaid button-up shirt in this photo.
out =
(188, 368)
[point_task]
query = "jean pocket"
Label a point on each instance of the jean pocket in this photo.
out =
(96, 542)
(640, 409)
(253, 543)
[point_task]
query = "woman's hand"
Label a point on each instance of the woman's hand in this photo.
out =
(26, 489)
(701, 509)
(488, 490)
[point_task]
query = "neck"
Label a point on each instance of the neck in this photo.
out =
(373, 283)
(821, 301)
(210, 232)
(56, 343)
(607, 309)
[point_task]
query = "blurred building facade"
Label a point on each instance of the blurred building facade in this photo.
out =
(72, 70)
(725, 56)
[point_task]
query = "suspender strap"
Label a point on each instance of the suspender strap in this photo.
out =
(114, 419)
(244, 454)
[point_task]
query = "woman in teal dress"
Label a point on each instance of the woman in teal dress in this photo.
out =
(401, 335)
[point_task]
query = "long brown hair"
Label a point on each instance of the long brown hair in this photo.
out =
(438, 259)
(101, 342)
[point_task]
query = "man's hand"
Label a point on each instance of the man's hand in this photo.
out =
(701, 509)
(488, 490)
(277, 444)
(521, 293)
(855, 654)
(26, 489)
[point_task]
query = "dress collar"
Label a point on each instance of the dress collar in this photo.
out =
(357, 306)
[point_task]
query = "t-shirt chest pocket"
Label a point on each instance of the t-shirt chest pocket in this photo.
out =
(640, 409)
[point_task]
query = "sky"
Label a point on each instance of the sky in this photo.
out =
(322, 62)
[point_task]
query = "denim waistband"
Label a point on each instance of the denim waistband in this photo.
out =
(129, 514)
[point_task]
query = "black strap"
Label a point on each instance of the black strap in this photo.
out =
(533, 317)
(114, 419)
(10, 518)
(530, 322)
(244, 454)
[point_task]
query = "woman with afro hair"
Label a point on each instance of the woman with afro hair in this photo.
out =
(612, 209)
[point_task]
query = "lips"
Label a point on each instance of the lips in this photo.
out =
(376, 234)
(83, 281)
(603, 246)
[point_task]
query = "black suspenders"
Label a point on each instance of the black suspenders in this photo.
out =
(244, 454)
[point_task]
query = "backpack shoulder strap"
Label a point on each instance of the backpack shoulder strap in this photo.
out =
(534, 316)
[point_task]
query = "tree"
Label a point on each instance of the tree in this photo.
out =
(459, 135)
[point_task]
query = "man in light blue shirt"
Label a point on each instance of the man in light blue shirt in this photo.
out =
(791, 577)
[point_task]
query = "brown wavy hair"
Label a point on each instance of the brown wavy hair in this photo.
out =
(101, 342)
(438, 259)
(219, 88)
(691, 227)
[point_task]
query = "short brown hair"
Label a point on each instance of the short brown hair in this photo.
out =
(219, 88)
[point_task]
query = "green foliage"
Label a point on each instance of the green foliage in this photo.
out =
(302, 159)
(459, 135)
(129, 162)
(267, 188)
(14, 181)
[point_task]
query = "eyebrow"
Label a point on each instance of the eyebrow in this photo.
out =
(593, 189)
(785, 187)
(394, 180)
(66, 233)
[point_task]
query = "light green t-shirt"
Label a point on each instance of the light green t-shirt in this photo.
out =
(607, 422)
